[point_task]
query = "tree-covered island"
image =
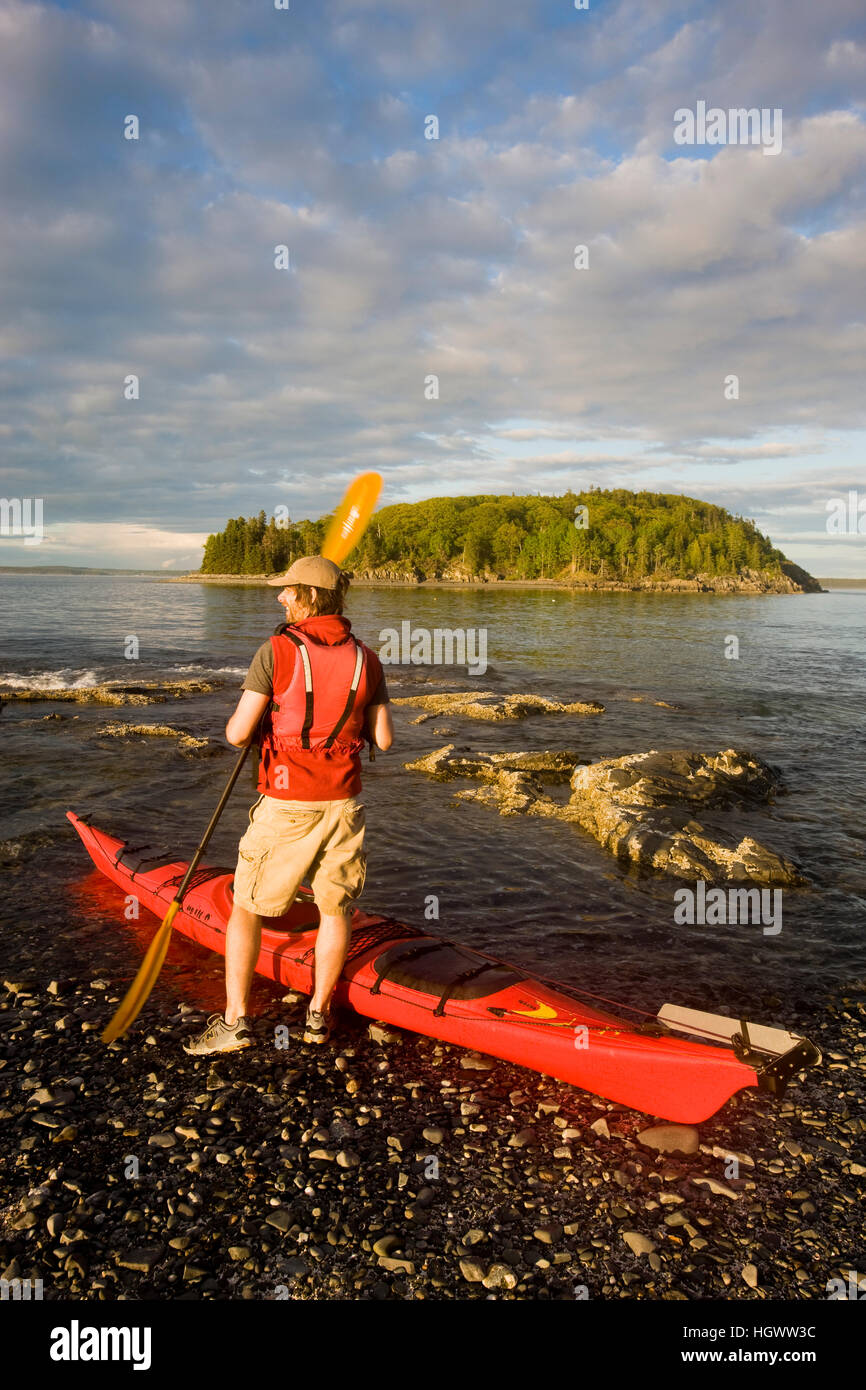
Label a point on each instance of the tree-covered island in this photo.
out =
(601, 538)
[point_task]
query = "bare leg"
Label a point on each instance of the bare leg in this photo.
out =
(243, 942)
(332, 945)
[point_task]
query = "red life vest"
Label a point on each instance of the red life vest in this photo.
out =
(314, 733)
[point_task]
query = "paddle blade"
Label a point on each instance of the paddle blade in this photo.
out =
(138, 992)
(351, 517)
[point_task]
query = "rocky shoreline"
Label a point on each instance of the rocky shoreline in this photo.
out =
(792, 581)
(387, 1166)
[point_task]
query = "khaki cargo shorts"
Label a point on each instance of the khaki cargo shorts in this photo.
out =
(289, 841)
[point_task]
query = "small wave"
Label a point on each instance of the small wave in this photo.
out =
(204, 670)
(66, 678)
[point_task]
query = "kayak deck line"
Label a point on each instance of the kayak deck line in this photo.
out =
(407, 977)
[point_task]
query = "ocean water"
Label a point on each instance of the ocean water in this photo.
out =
(532, 891)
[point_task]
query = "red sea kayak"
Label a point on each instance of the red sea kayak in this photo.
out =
(406, 977)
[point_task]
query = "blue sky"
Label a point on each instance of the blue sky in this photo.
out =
(411, 257)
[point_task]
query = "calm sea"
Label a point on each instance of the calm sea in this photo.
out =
(530, 890)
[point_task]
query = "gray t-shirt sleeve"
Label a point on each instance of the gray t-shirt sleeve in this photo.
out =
(260, 676)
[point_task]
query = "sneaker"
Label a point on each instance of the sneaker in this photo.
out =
(219, 1036)
(316, 1029)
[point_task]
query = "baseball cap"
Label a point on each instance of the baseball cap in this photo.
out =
(313, 570)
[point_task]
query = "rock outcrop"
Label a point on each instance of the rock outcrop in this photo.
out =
(475, 704)
(113, 693)
(187, 743)
(639, 807)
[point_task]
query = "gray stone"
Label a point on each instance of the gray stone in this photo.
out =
(385, 1244)
(279, 1218)
(670, 1139)
(381, 1033)
(472, 1063)
(499, 1277)
(638, 1243)
(143, 1260)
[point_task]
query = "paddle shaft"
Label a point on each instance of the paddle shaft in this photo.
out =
(194, 862)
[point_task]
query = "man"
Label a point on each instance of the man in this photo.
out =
(317, 693)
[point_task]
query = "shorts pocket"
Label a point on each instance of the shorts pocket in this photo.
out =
(354, 816)
(288, 826)
(251, 866)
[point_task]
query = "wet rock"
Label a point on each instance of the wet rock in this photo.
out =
(484, 704)
(549, 766)
(640, 808)
(473, 1272)
(187, 743)
(115, 692)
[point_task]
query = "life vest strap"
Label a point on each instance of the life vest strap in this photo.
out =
(308, 687)
(350, 700)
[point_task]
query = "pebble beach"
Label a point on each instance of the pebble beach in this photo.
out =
(386, 1166)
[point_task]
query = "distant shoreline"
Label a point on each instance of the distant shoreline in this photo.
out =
(728, 585)
(192, 577)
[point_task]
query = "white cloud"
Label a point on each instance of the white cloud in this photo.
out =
(413, 257)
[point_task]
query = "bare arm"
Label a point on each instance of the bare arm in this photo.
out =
(380, 725)
(244, 722)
